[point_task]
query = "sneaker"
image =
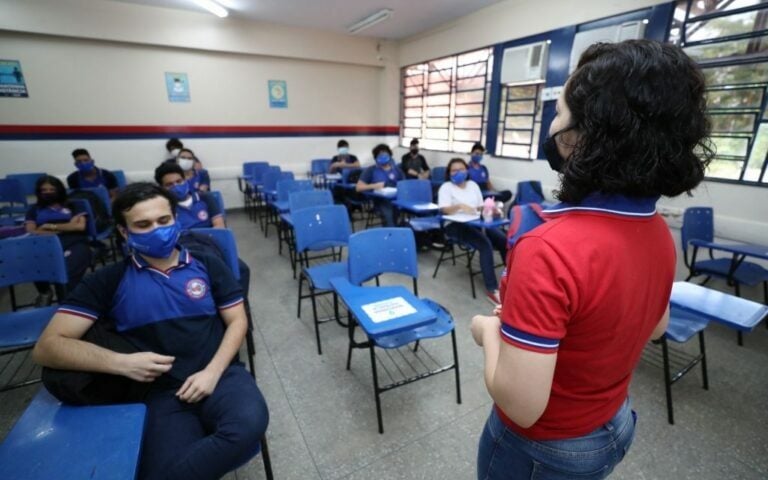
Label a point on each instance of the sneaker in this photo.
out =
(44, 299)
(493, 297)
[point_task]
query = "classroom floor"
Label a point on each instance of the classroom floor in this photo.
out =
(323, 420)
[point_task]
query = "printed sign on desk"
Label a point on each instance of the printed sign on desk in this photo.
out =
(278, 94)
(178, 87)
(12, 83)
(388, 309)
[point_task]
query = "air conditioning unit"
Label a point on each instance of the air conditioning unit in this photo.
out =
(525, 64)
(612, 34)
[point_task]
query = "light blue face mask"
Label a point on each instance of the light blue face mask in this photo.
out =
(181, 190)
(383, 159)
(343, 150)
(159, 243)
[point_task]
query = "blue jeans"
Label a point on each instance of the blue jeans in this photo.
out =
(484, 241)
(506, 454)
(387, 212)
(204, 440)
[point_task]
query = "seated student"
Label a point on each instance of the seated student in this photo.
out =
(195, 209)
(54, 215)
(184, 315)
(194, 172)
(479, 173)
(173, 146)
(461, 195)
(384, 173)
(414, 165)
(344, 159)
(88, 175)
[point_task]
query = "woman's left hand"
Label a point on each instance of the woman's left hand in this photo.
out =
(481, 324)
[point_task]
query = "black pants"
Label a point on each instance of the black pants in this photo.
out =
(77, 258)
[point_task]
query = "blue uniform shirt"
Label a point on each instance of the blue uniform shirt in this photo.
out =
(199, 179)
(376, 174)
(478, 175)
(76, 180)
(173, 312)
(200, 213)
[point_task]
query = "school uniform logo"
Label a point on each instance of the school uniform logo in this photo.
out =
(66, 211)
(392, 176)
(196, 288)
(202, 215)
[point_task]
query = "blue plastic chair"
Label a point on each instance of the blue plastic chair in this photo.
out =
(219, 199)
(27, 180)
(317, 229)
(698, 223)
(257, 187)
(247, 182)
(120, 177)
(528, 192)
(414, 191)
(33, 258)
(393, 250)
(438, 177)
(318, 167)
(297, 200)
(94, 235)
(281, 205)
(103, 195)
(524, 218)
(12, 194)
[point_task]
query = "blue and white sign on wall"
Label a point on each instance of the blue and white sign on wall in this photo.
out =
(12, 83)
(178, 87)
(278, 94)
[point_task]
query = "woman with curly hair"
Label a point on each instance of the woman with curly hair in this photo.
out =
(585, 291)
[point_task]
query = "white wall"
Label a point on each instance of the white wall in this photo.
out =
(741, 211)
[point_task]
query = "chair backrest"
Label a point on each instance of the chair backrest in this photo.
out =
(320, 165)
(271, 177)
(438, 176)
(347, 174)
(382, 250)
(120, 177)
(225, 240)
(32, 258)
(254, 170)
(524, 218)
(529, 192)
(698, 224)
(286, 187)
(27, 181)
(319, 226)
(309, 198)
(103, 195)
(414, 191)
(219, 200)
(91, 229)
(12, 192)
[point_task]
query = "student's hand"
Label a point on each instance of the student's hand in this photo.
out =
(497, 310)
(198, 386)
(464, 208)
(481, 324)
(51, 227)
(145, 366)
(378, 186)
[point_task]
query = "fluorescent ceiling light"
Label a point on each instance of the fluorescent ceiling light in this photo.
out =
(370, 20)
(212, 7)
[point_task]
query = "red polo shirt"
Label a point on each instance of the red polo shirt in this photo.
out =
(590, 284)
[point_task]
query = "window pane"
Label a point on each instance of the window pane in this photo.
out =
(517, 136)
(737, 74)
(412, 81)
(442, 64)
(518, 122)
(474, 57)
(473, 83)
(412, 91)
(731, 146)
(527, 91)
(412, 122)
(434, 144)
(700, 8)
(469, 109)
(444, 87)
(473, 70)
(724, 169)
(467, 135)
(412, 112)
(468, 122)
(440, 76)
(412, 101)
(415, 69)
(412, 132)
(438, 100)
(757, 155)
(518, 151)
(473, 96)
(438, 111)
(733, 123)
(436, 133)
(740, 98)
(524, 106)
(721, 27)
(751, 46)
(463, 147)
(437, 122)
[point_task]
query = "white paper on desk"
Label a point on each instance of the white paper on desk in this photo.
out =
(461, 217)
(387, 191)
(388, 309)
(425, 206)
(333, 176)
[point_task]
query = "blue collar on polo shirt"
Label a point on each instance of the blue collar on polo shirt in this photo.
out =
(612, 204)
(140, 263)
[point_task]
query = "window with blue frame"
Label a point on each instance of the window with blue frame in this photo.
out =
(444, 101)
(729, 40)
(519, 121)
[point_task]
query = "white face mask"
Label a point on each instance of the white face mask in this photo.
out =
(175, 152)
(185, 163)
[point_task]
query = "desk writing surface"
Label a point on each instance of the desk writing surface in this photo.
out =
(751, 250)
(461, 217)
(417, 207)
(726, 309)
(411, 313)
(496, 222)
(54, 441)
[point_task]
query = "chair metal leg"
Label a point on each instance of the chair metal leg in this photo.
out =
(298, 302)
(667, 381)
(739, 334)
(470, 256)
(456, 365)
(705, 379)
(266, 459)
(376, 389)
(439, 262)
(351, 331)
(314, 316)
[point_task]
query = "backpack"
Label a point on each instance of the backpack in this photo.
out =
(524, 219)
(101, 217)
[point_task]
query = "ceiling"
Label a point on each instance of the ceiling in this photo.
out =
(410, 17)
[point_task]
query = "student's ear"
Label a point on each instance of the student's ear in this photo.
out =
(123, 232)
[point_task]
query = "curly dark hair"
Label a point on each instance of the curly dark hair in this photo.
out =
(640, 110)
(382, 147)
(166, 168)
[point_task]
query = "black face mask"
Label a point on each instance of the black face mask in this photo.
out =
(554, 158)
(46, 199)
(414, 151)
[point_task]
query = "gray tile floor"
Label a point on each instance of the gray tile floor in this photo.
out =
(323, 423)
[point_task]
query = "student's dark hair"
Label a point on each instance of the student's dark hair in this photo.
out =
(137, 193)
(173, 143)
(61, 191)
(640, 111)
(414, 141)
(382, 147)
(477, 146)
(342, 143)
(166, 168)
(79, 151)
(450, 164)
(188, 150)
